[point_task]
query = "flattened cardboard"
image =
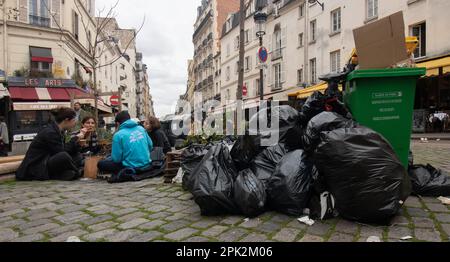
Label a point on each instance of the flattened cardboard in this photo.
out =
(381, 44)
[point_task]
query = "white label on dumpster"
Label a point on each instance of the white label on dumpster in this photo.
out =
(387, 95)
(391, 101)
(387, 110)
(386, 118)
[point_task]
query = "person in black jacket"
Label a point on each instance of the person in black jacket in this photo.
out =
(48, 157)
(159, 138)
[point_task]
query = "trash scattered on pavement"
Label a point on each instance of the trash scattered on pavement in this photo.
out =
(428, 181)
(373, 239)
(73, 239)
(306, 220)
(406, 238)
(444, 200)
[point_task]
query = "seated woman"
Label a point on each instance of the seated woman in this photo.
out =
(89, 144)
(159, 138)
(48, 157)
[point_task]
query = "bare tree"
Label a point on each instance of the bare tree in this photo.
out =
(100, 39)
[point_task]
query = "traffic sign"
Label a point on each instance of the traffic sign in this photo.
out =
(263, 54)
(114, 100)
(244, 90)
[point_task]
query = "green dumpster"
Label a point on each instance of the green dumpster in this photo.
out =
(383, 100)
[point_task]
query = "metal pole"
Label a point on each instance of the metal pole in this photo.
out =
(261, 75)
(241, 61)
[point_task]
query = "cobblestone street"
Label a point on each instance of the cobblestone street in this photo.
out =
(152, 211)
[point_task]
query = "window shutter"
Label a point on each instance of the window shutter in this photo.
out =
(269, 76)
(250, 62)
(23, 7)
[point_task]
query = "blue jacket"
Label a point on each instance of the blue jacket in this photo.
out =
(132, 146)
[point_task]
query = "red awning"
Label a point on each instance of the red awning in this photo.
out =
(39, 54)
(42, 59)
(58, 94)
(77, 93)
(23, 94)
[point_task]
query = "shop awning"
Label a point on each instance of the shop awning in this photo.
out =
(100, 104)
(58, 94)
(23, 94)
(41, 55)
(77, 93)
(434, 65)
(307, 92)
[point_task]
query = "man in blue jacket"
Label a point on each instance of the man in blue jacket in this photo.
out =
(131, 147)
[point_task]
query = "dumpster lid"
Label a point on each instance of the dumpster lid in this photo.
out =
(390, 72)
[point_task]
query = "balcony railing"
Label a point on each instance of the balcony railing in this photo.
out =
(40, 21)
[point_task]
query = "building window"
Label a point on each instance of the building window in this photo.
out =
(335, 61)
(336, 21)
(312, 66)
(247, 36)
(228, 73)
(75, 24)
(301, 10)
(237, 43)
(300, 76)
(39, 12)
(372, 8)
(228, 96)
(248, 63)
(237, 67)
(277, 76)
(313, 26)
(277, 52)
(300, 40)
(420, 31)
(228, 50)
(41, 67)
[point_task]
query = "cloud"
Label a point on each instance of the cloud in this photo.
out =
(165, 41)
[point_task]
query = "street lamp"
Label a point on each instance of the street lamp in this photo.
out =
(316, 1)
(260, 20)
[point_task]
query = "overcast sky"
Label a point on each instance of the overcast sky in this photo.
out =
(165, 41)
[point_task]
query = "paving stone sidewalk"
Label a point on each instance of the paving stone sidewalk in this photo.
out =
(152, 211)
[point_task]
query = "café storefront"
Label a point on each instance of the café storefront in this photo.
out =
(32, 99)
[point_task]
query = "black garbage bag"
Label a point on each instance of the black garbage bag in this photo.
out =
(212, 182)
(265, 163)
(190, 159)
(322, 204)
(363, 173)
(249, 194)
(289, 126)
(289, 188)
(313, 106)
(325, 121)
(429, 182)
(245, 149)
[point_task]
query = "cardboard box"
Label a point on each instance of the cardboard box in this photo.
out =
(381, 44)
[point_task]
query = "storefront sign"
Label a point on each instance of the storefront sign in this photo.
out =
(40, 82)
(38, 106)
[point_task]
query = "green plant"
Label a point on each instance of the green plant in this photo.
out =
(22, 72)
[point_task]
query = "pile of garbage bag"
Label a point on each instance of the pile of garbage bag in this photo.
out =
(428, 181)
(324, 165)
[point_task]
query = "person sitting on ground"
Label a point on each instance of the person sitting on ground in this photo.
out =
(48, 157)
(88, 145)
(159, 138)
(130, 149)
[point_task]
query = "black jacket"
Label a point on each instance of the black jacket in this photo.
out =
(160, 139)
(48, 142)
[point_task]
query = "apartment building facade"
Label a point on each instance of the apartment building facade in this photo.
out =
(308, 40)
(206, 38)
